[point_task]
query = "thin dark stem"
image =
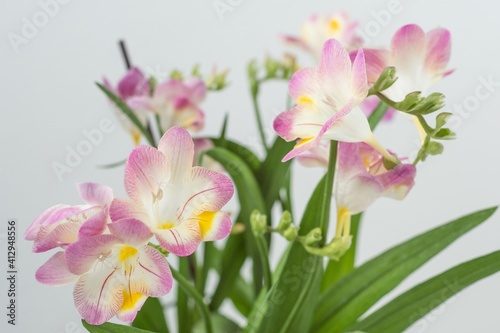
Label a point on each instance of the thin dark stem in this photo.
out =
(125, 56)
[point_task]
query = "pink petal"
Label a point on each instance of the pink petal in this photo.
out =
(315, 157)
(131, 231)
(96, 224)
(338, 115)
(145, 170)
(33, 229)
(95, 194)
(84, 253)
(398, 181)
(60, 236)
(133, 83)
(126, 209)
(335, 70)
(358, 193)
(214, 225)
(178, 147)
(438, 51)
(359, 78)
(55, 271)
(130, 307)
(299, 122)
(181, 240)
(98, 295)
(197, 90)
(169, 89)
(141, 103)
(152, 274)
(376, 62)
(408, 49)
(304, 83)
(190, 117)
(300, 147)
(204, 190)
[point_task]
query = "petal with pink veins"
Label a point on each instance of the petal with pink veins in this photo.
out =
(98, 295)
(181, 239)
(83, 254)
(55, 271)
(131, 231)
(177, 145)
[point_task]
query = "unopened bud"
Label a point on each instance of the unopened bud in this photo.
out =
(314, 236)
(291, 233)
(386, 79)
(258, 222)
(285, 221)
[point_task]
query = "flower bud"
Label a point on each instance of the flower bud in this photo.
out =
(314, 236)
(258, 222)
(291, 233)
(285, 221)
(386, 79)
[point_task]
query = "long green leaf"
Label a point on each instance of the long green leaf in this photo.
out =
(151, 317)
(112, 328)
(232, 260)
(241, 151)
(184, 312)
(221, 325)
(127, 111)
(273, 173)
(345, 301)
(407, 308)
(250, 198)
(278, 310)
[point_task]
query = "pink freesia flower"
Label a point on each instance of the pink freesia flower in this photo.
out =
(61, 225)
(327, 100)
(318, 29)
(116, 272)
(420, 60)
(176, 103)
(179, 203)
(361, 178)
(133, 84)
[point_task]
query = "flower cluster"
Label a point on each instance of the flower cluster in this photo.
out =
(332, 102)
(104, 244)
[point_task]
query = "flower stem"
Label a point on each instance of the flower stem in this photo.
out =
(256, 108)
(191, 291)
(125, 55)
(327, 194)
(377, 115)
(264, 254)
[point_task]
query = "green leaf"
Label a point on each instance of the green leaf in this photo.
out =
(250, 198)
(242, 152)
(273, 173)
(151, 317)
(184, 311)
(407, 308)
(377, 115)
(112, 328)
(345, 301)
(286, 307)
(128, 112)
(221, 324)
(233, 258)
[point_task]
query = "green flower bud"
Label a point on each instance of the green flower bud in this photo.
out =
(285, 221)
(386, 79)
(291, 233)
(314, 236)
(258, 222)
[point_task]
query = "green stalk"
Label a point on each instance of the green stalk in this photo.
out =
(256, 108)
(190, 290)
(327, 194)
(264, 255)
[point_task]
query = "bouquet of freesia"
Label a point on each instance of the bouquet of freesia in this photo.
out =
(118, 252)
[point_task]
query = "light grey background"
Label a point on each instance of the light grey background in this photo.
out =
(48, 97)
